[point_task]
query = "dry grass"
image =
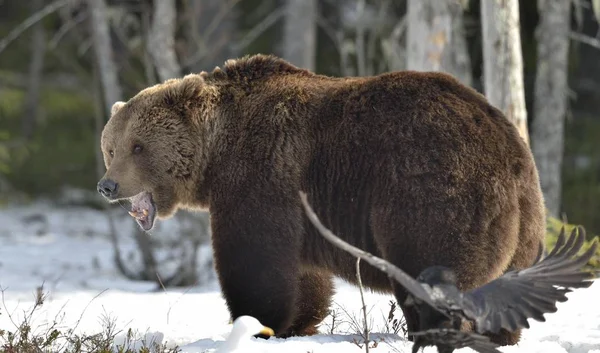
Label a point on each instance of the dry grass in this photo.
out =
(53, 338)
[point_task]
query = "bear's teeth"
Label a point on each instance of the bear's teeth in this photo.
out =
(145, 211)
(133, 214)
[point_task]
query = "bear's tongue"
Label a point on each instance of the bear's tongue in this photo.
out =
(143, 210)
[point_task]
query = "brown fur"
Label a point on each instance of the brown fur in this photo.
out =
(414, 167)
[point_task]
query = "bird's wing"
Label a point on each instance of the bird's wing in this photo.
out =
(418, 290)
(508, 301)
(457, 339)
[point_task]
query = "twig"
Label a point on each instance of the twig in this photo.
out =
(165, 291)
(201, 52)
(580, 37)
(30, 21)
(364, 306)
(10, 314)
(257, 30)
(64, 29)
(84, 310)
(330, 32)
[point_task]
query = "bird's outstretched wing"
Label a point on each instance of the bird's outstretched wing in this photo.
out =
(457, 339)
(423, 292)
(508, 301)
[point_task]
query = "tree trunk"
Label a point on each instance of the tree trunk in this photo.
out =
(111, 89)
(161, 41)
(550, 100)
(36, 66)
(101, 42)
(435, 38)
(299, 35)
(502, 60)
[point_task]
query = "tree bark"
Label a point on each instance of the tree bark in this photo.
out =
(550, 97)
(299, 37)
(435, 38)
(36, 66)
(503, 62)
(102, 44)
(161, 42)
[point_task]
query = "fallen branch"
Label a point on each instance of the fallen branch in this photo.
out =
(379, 263)
(30, 21)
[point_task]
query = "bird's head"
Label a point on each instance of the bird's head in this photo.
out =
(244, 327)
(436, 275)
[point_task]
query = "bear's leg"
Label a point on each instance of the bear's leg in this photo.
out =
(257, 260)
(316, 290)
(258, 288)
(532, 231)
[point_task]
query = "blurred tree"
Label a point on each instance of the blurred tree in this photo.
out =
(502, 60)
(436, 39)
(36, 65)
(209, 29)
(161, 39)
(299, 35)
(103, 48)
(550, 101)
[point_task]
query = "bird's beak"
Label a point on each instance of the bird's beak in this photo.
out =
(267, 331)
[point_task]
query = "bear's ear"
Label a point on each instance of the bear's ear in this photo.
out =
(116, 107)
(179, 93)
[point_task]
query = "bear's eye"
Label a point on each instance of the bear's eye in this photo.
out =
(111, 153)
(137, 149)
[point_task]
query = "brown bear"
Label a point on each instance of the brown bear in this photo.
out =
(413, 167)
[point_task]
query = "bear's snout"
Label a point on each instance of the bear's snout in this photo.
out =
(108, 188)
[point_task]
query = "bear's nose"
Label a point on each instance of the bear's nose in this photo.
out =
(108, 188)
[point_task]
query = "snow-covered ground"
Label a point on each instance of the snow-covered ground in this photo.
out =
(67, 249)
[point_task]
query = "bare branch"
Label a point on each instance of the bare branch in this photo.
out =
(30, 21)
(580, 37)
(260, 28)
(330, 32)
(214, 24)
(64, 29)
(202, 51)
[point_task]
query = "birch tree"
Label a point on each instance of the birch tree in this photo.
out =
(550, 100)
(161, 40)
(111, 93)
(435, 38)
(502, 60)
(102, 45)
(299, 34)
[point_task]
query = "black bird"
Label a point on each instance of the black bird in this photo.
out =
(504, 303)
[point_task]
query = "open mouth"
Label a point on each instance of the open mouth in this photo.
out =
(143, 210)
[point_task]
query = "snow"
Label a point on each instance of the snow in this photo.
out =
(67, 250)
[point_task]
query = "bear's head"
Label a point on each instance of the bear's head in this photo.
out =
(152, 146)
